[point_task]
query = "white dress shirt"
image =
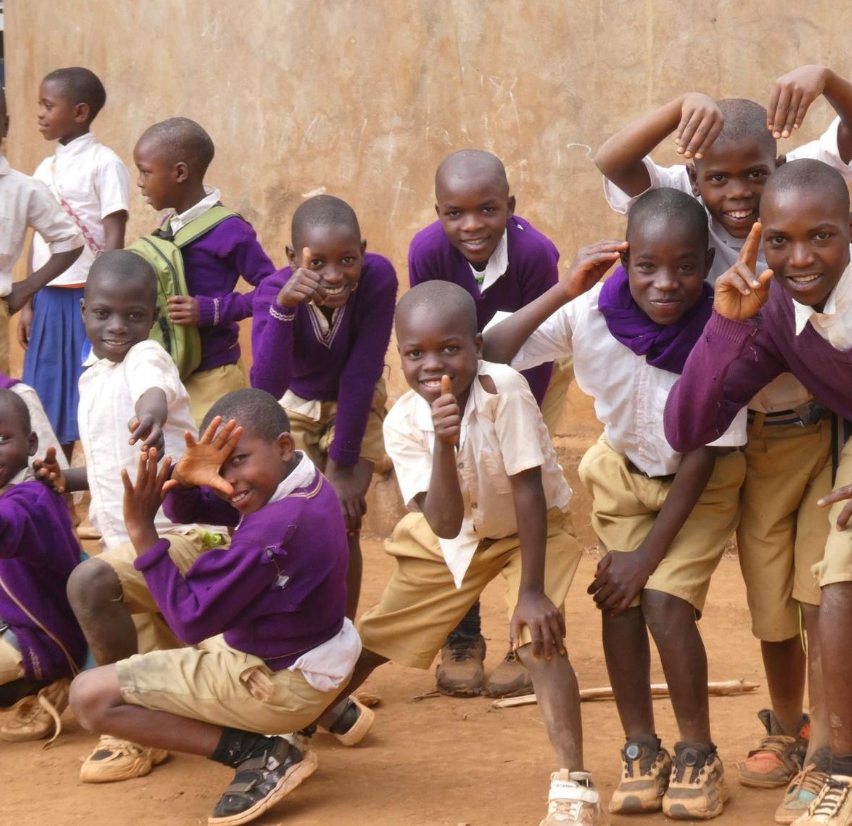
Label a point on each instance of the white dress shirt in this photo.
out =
(178, 220)
(495, 267)
(834, 323)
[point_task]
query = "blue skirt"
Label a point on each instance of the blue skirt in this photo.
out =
(52, 363)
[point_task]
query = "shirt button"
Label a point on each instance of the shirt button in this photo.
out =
(461, 465)
(474, 505)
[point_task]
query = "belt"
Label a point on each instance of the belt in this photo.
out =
(633, 469)
(804, 415)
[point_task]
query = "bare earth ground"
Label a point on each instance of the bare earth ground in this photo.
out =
(436, 761)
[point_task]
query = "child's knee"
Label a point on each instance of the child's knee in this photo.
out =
(665, 614)
(89, 698)
(92, 583)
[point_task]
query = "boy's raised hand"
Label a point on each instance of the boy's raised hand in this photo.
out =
(446, 415)
(303, 286)
(701, 122)
(791, 96)
(200, 464)
(143, 500)
(47, 470)
(589, 266)
(739, 293)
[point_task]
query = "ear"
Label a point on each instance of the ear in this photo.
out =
(363, 245)
(438, 211)
(83, 309)
(711, 257)
(286, 447)
(81, 113)
(4, 127)
(693, 178)
(780, 161)
(477, 343)
(156, 314)
(33, 442)
(625, 258)
(511, 206)
(180, 171)
(291, 257)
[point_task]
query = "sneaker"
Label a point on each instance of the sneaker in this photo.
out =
(646, 768)
(801, 792)
(573, 799)
(354, 722)
(37, 715)
(778, 758)
(832, 806)
(261, 782)
(697, 788)
(114, 759)
(509, 679)
(460, 672)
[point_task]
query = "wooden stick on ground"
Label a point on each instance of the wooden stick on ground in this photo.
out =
(717, 688)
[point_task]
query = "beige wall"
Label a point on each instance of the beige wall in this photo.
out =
(362, 98)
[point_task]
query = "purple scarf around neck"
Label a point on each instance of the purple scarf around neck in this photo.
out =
(7, 381)
(664, 345)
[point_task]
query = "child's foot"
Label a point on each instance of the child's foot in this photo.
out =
(697, 788)
(354, 722)
(38, 715)
(778, 757)
(114, 759)
(260, 782)
(646, 768)
(832, 806)
(801, 792)
(573, 799)
(509, 679)
(461, 672)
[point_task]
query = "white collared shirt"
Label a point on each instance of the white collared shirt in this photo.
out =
(785, 392)
(95, 183)
(502, 435)
(108, 395)
(834, 323)
(630, 394)
(178, 221)
(496, 266)
(24, 203)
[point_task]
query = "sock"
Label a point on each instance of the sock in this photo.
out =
(470, 627)
(822, 760)
(236, 745)
(841, 764)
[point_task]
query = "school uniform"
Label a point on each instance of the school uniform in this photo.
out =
(437, 580)
(273, 646)
(328, 375)
(630, 470)
(523, 266)
(782, 532)
(90, 182)
(25, 203)
(213, 265)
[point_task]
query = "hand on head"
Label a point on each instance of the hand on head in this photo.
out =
(303, 286)
(590, 265)
(739, 293)
(446, 415)
(201, 463)
(700, 125)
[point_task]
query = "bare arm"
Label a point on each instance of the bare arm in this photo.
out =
(22, 291)
(115, 225)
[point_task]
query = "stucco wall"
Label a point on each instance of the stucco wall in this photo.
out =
(362, 99)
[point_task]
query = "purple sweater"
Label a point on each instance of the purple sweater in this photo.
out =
(733, 360)
(38, 551)
(278, 591)
(290, 351)
(213, 264)
(533, 269)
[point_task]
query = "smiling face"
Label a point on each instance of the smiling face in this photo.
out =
(158, 180)
(58, 118)
(337, 254)
(666, 267)
(730, 180)
(806, 244)
(17, 443)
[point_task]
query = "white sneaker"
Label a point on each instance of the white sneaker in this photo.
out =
(573, 799)
(832, 806)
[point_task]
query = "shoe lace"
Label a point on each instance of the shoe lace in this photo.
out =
(810, 780)
(32, 707)
(569, 808)
(775, 744)
(831, 799)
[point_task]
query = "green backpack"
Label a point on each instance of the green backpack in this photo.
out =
(163, 252)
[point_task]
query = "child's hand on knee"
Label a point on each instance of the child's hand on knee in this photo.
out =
(701, 122)
(791, 96)
(303, 286)
(350, 491)
(619, 579)
(545, 622)
(47, 470)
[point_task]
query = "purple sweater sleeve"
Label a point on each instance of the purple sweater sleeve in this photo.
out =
(730, 363)
(188, 506)
(271, 339)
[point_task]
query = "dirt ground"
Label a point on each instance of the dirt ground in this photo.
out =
(433, 762)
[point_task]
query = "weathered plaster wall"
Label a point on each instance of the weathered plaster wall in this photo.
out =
(362, 98)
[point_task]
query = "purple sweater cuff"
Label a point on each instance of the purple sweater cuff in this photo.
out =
(152, 556)
(736, 332)
(208, 310)
(343, 456)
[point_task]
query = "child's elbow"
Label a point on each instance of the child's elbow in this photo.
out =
(445, 528)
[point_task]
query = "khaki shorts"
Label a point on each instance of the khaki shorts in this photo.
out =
(782, 532)
(553, 402)
(625, 504)
(11, 663)
(220, 685)
(4, 336)
(836, 565)
(206, 387)
(315, 437)
(421, 603)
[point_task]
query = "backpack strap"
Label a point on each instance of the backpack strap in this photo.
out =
(197, 227)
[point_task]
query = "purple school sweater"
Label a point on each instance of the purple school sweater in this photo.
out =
(213, 265)
(290, 351)
(533, 269)
(733, 360)
(38, 551)
(278, 591)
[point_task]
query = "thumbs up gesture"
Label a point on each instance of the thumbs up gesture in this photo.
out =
(303, 286)
(446, 414)
(739, 293)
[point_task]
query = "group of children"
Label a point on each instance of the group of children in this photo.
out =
(219, 617)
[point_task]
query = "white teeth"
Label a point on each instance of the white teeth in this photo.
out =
(804, 279)
(235, 500)
(741, 213)
(432, 385)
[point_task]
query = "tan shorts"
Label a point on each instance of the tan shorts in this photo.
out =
(836, 565)
(11, 663)
(782, 532)
(421, 603)
(4, 336)
(553, 402)
(315, 437)
(220, 685)
(206, 387)
(625, 504)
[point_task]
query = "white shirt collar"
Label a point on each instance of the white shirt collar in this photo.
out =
(5, 169)
(75, 147)
(496, 266)
(179, 220)
(301, 476)
(834, 323)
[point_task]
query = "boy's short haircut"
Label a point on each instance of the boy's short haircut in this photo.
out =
(808, 175)
(10, 399)
(121, 264)
(80, 85)
(670, 205)
(321, 211)
(443, 297)
(745, 122)
(256, 411)
(181, 140)
(468, 162)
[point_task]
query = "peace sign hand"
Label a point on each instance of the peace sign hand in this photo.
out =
(739, 294)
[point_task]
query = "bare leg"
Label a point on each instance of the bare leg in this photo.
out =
(785, 665)
(367, 663)
(816, 687)
(835, 631)
(353, 575)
